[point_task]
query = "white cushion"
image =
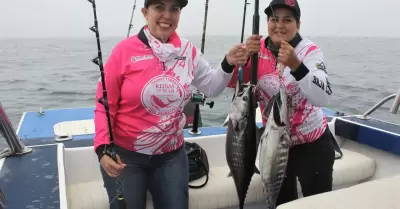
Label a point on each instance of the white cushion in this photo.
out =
(382, 194)
(352, 168)
(220, 191)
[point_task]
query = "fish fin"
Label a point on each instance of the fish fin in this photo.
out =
(230, 174)
(225, 124)
(256, 170)
(259, 133)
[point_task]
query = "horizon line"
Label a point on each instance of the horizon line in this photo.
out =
(190, 35)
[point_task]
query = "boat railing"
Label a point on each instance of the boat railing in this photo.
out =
(393, 109)
(16, 147)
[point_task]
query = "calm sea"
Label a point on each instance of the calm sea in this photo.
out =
(58, 73)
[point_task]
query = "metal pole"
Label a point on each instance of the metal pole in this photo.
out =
(396, 103)
(376, 106)
(16, 147)
(3, 200)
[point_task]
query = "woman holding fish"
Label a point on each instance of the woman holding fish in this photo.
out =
(311, 153)
(147, 78)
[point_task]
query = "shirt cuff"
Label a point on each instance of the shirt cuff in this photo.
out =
(300, 72)
(226, 67)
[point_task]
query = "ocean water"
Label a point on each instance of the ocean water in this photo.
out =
(58, 73)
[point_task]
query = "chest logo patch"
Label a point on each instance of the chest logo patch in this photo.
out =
(163, 95)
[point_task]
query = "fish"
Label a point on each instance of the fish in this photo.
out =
(241, 140)
(274, 148)
(259, 130)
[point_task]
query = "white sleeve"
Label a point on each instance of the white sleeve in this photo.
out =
(211, 81)
(312, 79)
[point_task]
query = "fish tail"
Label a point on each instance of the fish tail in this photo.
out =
(241, 204)
(256, 170)
(271, 203)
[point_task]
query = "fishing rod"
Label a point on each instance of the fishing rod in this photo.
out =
(244, 20)
(203, 38)
(240, 71)
(195, 126)
(256, 29)
(108, 150)
(130, 23)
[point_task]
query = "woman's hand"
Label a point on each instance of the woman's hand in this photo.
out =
(253, 44)
(111, 167)
(238, 55)
(287, 56)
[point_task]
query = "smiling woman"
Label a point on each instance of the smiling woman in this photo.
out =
(163, 16)
(148, 78)
(305, 81)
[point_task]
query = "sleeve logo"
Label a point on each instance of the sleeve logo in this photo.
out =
(321, 66)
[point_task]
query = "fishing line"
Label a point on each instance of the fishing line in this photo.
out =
(281, 69)
(130, 23)
(108, 150)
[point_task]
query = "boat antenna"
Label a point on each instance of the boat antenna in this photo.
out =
(256, 29)
(108, 150)
(130, 22)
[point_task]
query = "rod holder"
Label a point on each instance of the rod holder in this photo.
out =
(198, 99)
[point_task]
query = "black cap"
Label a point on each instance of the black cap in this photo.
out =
(289, 4)
(183, 3)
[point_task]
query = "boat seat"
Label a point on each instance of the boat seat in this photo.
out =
(220, 191)
(382, 194)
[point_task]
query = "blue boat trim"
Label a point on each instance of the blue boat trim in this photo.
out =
(379, 124)
(384, 137)
(31, 180)
(40, 126)
(37, 126)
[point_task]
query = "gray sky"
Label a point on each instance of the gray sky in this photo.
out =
(72, 18)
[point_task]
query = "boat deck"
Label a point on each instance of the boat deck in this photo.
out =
(32, 180)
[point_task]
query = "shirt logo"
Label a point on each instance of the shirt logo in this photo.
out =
(163, 95)
(321, 66)
(291, 3)
(141, 58)
(180, 58)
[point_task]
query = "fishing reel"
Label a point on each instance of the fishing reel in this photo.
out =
(199, 98)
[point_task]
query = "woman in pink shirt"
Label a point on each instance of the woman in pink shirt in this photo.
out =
(311, 156)
(147, 79)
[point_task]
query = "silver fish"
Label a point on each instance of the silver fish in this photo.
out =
(274, 148)
(241, 142)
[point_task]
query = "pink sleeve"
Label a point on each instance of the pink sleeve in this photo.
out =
(113, 78)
